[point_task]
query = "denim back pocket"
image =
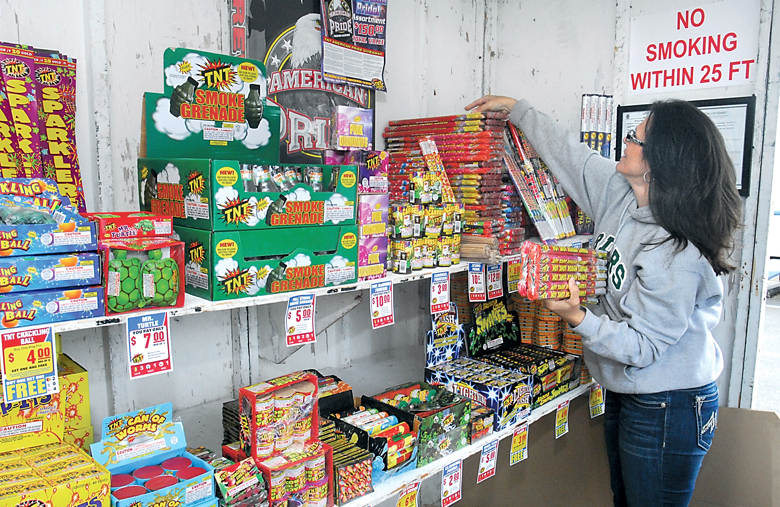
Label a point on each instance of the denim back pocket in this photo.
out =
(706, 405)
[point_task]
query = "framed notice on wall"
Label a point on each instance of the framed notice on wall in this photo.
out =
(734, 118)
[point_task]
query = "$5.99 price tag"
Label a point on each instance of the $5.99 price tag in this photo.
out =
(477, 282)
(408, 495)
(495, 287)
(451, 483)
(513, 270)
(519, 450)
(382, 304)
(299, 321)
(149, 344)
(487, 461)
(440, 292)
(562, 420)
(28, 363)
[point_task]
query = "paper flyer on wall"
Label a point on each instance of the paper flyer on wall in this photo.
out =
(353, 42)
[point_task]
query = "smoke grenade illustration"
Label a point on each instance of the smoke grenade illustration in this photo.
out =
(277, 275)
(184, 93)
(276, 207)
(253, 106)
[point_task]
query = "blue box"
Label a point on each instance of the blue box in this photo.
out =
(50, 306)
(41, 272)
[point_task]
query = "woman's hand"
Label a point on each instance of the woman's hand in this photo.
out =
(568, 309)
(492, 103)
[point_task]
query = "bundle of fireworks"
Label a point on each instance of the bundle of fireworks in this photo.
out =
(52, 474)
(518, 225)
(554, 373)
(230, 422)
(480, 248)
(459, 296)
(241, 485)
(142, 474)
(505, 391)
(538, 326)
(596, 123)
(40, 88)
(572, 342)
(351, 470)
(541, 193)
(547, 270)
(424, 236)
(300, 476)
(398, 436)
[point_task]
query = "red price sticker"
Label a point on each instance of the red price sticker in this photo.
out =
(487, 461)
(477, 282)
(451, 483)
(381, 304)
(299, 322)
(513, 271)
(149, 344)
(495, 286)
(562, 420)
(408, 495)
(440, 292)
(519, 450)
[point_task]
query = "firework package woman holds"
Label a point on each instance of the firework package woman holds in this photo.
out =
(665, 215)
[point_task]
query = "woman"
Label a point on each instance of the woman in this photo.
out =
(665, 215)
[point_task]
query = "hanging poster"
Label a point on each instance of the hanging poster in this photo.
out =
(354, 42)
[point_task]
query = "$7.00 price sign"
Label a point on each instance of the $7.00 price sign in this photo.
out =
(382, 304)
(300, 320)
(149, 344)
(28, 363)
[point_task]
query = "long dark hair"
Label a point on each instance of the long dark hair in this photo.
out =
(693, 193)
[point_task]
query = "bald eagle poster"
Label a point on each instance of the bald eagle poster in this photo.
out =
(286, 35)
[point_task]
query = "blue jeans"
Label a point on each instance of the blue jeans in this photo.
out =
(656, 443)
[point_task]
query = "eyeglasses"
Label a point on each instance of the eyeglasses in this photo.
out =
(631, 136)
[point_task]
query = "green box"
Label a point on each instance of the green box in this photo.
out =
(215, 195)
(239, 264)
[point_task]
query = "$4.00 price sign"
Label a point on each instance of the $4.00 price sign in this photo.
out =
(477, 282)
(300, 320)
(451, 483)
(382, 304)
(149, 344)
(408, 495)
(487, 461)
(495, 286)
(562, 419)
(28, 363)
(440, 292)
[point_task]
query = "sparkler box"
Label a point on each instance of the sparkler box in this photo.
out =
(49, 306)
(24, 274)
(443, 419)
(130, 224)
(147, 437)
(224, 195)
(240, 264)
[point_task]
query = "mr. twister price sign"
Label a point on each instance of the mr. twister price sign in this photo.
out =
(28, 363)
(149, 344)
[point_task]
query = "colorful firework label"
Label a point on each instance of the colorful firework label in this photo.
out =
(55, 90)
(10, 162)
(17, 68)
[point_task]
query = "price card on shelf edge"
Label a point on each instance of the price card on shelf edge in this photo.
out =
(477, 282)
(495, 286)
(451, 479)
(562, 419)
(513, 270)
(596, 400)
(519, 450)
(29, 364)
(149, 344)
(440, 292)
(382, 304)
(408, 495)
(487, 461)
(299, 322)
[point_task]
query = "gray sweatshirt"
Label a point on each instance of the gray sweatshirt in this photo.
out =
(651, 332)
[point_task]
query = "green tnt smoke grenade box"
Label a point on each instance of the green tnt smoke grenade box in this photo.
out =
(224, 195)
(213, 105)
(240, 264)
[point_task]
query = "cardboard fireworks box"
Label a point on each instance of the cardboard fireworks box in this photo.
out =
(74, 396)
(69, 473)
(29, 423)
(372, 258)
(148, 438)
(24, 274)
(239, 264)
(225, 195)
(443, 418)
(66, 230)
(50, 306)
(212, 106)
(130, 224)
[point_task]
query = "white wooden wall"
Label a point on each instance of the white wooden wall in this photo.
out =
(441, 55)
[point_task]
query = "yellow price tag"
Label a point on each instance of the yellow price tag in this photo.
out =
(596, 401)
(28, 360)
(408, 496)
(562, 419)
(519, 450)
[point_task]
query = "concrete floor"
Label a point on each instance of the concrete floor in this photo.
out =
(766, 395)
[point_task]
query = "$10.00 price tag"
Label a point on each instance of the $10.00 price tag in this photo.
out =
(300, 320)
(477, 282)
(487, 461)
(451, 483)
(440, 292)
(382, 304)
(495, 287)
(562, 420)
(28, 363)
(408, 495)
(519, 450)
(149, 344)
